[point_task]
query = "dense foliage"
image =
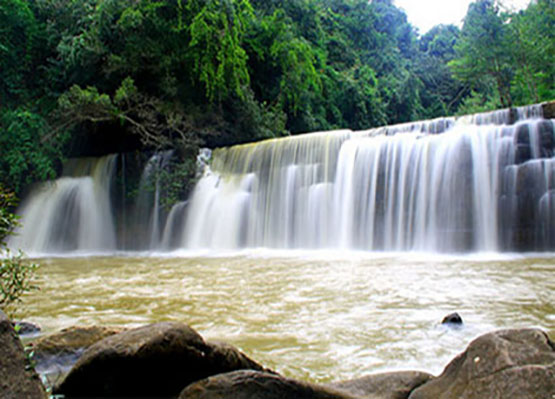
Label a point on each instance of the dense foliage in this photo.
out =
(16, 274)
(96, 76)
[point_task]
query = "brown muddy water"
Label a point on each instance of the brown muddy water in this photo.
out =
(318, 316)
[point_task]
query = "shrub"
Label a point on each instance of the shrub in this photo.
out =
(16, 274)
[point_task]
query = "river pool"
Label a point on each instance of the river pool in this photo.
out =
(318, 316)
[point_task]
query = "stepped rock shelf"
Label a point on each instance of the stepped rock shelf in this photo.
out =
(483, 182)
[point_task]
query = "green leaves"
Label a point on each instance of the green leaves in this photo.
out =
(297, 61)
(8, 220)
(87, 102)
(533, 48)
(513, 53)
(18, 35)
(16, 278)
(24, 157)
(16, 274)
(219, 61)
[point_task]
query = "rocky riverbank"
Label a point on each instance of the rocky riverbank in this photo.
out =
(171, 360)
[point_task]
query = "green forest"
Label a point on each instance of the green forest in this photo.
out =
(90, 77)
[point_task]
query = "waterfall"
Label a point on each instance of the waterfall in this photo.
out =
(147, 216)
(173, 231)
(72, 213)
(480, 185)
(482, 182)
(92, 209)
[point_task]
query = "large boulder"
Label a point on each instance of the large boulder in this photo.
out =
(56, 353)
(392, 385)
(246, 384)
(156, 360)
(17, 378)
(502, 364)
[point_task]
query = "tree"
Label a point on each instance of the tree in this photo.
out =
(481, 50)
(285, 65)
(533, 49)
(27, 154)
(441, 93)
(216, 30)
(18, 32)
(157, 124)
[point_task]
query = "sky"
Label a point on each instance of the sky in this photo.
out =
(425, 14)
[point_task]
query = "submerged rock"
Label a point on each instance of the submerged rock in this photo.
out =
(156, 360)
(393, 385)
(17, 378)
(453, 318)
(25, 328)
(246, 384)
(498, 365)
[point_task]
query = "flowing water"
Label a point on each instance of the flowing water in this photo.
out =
(320, 316)
(471, 188)
(472, 184)
(310, 305)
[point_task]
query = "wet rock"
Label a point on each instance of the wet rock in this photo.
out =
(394, 385)
(246, 384)
(546, 138)
(25, 328)
(523, 153)
(453, 319)
(157, 360)
(548, 109)
(502, 364)
(224, 358)
(522, 134)
(17, 379)
(71, 340)
(513, 116)
(56, 353)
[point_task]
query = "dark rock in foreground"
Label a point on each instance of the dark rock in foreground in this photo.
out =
(17, 379)
(56, 353)
(246, 384)
(393, 385)
(157, 360)
(170, 359)
(498, 365)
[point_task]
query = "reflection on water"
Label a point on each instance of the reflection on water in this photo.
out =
(317, 316)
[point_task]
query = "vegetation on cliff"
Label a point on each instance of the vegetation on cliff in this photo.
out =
(87, 77)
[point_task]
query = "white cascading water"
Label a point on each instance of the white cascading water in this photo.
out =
(481, 185)
(146, 214)
(474, 183)
(71, 213)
